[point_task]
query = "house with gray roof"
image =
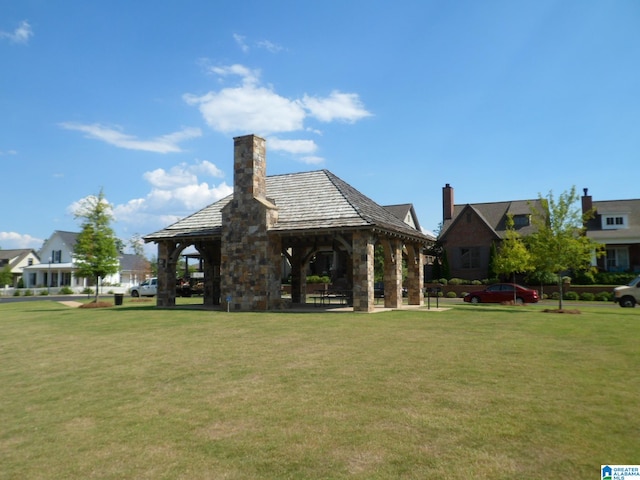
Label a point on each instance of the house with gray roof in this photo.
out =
(616, 224)
(469, 230)
(56, 266)
(16, 260)
(244, 237)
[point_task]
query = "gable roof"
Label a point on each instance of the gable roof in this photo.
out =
(13, 256)
(131, 261)
(631, 208)
(494, 215)
(309, 202)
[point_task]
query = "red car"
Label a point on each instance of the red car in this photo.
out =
(503, 292)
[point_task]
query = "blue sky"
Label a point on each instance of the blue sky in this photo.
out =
(504, 100)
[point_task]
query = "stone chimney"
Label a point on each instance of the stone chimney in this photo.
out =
(249, 168)
(447, 202)
(587, 202)
(250, 261)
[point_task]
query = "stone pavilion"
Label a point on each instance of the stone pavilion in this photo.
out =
(245, 238)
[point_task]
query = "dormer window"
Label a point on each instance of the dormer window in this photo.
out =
(613, 222)
(520, 221)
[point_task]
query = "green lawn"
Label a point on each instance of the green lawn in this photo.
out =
(475, 392)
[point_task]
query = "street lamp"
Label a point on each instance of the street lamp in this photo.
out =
(49, 277)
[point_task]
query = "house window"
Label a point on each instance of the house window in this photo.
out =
(520, 221)
(612, 222)
(470, 257)
(30, 261)
(56, 256)
(617, 259)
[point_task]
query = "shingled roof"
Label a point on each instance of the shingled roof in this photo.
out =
(494, 214)
(309, 202)
(613, 207)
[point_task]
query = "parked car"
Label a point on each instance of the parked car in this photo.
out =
(503, 292)
(148, 288)
(628, 295)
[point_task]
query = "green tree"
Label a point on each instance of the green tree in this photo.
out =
(136, 245)
(512, 257)
(6, 277)
(96, 252)
(559, 243)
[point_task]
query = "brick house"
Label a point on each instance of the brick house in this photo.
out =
(244, 237)
(468, 231)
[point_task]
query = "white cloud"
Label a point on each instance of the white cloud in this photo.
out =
(174, 193)
(11, 240)
(312, 160)
(181, 175)
(249, 109)
(8, 152)
(253, 107)
(269, 46)
(338, 106)
(20, 35)
(114, 136)
(241, 42)
(292, 146)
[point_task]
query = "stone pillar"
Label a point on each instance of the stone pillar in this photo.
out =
(210, 252)
(298, 277)
(166, 274)
(415, 274)
(392, 273)
(363, 253)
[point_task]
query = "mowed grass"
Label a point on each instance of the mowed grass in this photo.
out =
(475, 392)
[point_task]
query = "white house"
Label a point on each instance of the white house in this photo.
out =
(57, 266)
(16, 260)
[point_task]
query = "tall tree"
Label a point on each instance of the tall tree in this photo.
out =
(559, 243)
(96, 252)
(512, 257)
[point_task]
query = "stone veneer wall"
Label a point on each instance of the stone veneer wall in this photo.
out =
(363, 252)
(250, 258)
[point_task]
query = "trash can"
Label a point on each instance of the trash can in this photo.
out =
(118, 298)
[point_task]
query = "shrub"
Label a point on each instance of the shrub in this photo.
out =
(16, 293)
(43, 292)
(613, 278)
(463, 294)
(585, 277)
(451, 295)
(571, 296)
(555, 296)
(587, 296)
(28, 293)
(603, 296)
(476, 282)
(66, 291)
(457, 281)
(443, 281)
(318, 279)
(88, 291)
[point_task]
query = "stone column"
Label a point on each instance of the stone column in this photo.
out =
(166, 275)
(363, 253)
(415, 274)
(392, 273)
(210, 252)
